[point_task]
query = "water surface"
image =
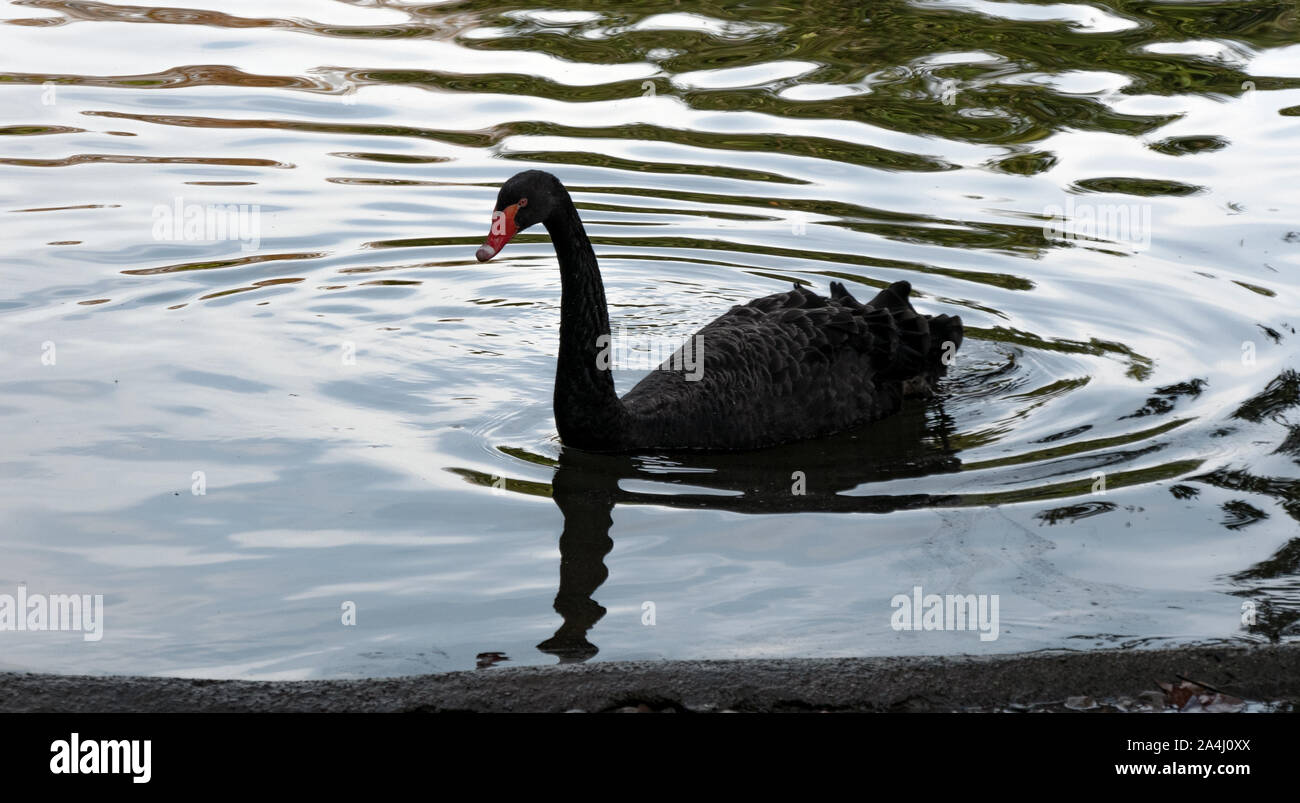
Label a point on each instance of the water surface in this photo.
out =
(1104, 192)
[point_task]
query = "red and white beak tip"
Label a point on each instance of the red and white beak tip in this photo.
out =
(503, 231)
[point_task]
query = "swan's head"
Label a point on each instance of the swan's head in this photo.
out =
(526, 199)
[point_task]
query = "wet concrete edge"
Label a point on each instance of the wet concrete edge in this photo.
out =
(853, 684)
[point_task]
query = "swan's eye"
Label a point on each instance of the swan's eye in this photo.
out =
(523, 202)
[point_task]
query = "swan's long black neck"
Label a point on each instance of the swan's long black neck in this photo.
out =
(588, 413)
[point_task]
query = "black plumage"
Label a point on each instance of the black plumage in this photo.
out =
(782, 368)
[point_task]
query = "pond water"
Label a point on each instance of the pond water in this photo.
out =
(242, 428)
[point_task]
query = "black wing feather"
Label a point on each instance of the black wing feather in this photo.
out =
(798, 365)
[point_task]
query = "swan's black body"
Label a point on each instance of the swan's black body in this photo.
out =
(783, 368)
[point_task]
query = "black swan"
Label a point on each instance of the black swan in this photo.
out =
(783, 368)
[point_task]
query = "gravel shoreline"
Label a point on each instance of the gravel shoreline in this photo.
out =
(1033, 681)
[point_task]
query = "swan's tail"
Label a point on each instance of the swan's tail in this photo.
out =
(911, 346)
(945, 338)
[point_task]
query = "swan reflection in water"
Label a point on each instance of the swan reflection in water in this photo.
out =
(811, 476)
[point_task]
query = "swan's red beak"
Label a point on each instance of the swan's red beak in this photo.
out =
(502, 231)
